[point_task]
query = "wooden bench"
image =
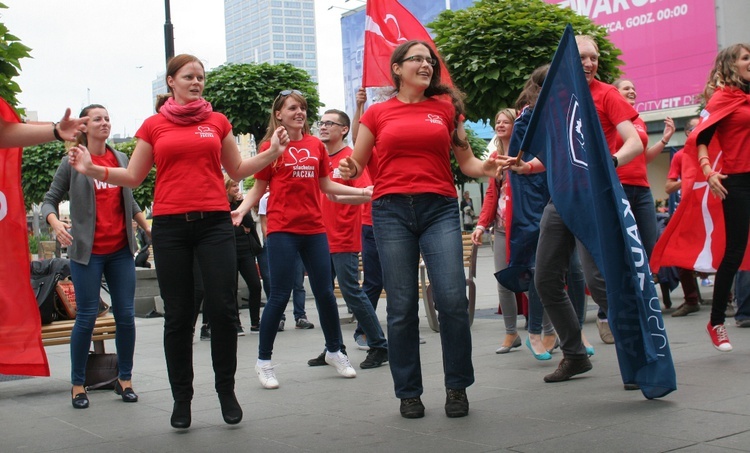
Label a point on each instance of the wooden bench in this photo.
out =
(470, 263)
(59, 332)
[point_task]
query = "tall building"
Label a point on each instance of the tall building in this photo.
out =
(276, 31)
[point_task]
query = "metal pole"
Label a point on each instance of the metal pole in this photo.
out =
(168, 33)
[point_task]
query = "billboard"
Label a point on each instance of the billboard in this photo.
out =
(668, 46)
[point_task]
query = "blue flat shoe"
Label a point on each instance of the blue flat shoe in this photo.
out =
(543, 356)
(589, 351)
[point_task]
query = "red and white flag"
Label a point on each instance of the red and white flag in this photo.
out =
(694, 237)
(21, 350)
(387, 25)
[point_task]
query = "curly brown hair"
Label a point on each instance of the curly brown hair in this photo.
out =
(724, 72)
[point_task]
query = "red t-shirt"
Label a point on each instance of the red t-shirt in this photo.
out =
(675, 167)
(343, 221)
(612, 109)
(294, 206)
(414, 146)
(734, 135)
(634, 172)
(109, 230)
(188, 164)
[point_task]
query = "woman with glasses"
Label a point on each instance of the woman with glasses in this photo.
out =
(188, 141)
(295, 226)
(415, 210)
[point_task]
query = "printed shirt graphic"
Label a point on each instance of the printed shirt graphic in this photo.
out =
(188, 164)
(414, 146)
(294, 206)
(109, 232)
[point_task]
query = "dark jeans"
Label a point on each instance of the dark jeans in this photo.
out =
(283, 250)
(346, 270)
(211, 242)
(406, 225)
(372, 284)
(742, 292)
(248, 270)
(736, 227)
(119, 270)
(298, 291)
(553, 255)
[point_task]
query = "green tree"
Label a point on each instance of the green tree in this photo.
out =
(245, 93)
(11, 52)
(478, 147)
(491, 48)
(38, 167)
(144, 193)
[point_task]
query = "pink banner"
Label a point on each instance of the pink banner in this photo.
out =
(668, 46)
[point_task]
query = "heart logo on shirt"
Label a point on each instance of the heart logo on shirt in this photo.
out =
(434, 119)
(300, 156)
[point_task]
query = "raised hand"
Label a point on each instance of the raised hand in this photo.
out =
(80, 159)
(348, 169)
(68, 127)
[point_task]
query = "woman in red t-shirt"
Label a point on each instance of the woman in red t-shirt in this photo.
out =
(295, 227)
(415, 209)
(100, 241)
(727, 119)
(190, 144)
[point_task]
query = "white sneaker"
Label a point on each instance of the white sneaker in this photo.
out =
(267, 376)
(342, 364)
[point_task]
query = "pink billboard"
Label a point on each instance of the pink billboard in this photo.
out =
(668, 46)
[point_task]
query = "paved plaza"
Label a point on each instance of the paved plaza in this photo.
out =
(512, 409)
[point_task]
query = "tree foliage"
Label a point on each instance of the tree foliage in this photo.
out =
(11, 52)
(478, 147)
(40, 163)
(491, 47)
(144, 193)
(245, 93)
(38, 167)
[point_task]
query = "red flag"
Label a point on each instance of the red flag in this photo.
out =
(387, 25)
(694, 237)
(21, 350)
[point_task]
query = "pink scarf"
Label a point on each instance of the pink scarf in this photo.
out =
(187, 114)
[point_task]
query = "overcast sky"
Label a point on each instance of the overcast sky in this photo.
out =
(109, 51)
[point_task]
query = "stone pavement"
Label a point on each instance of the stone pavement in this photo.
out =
(512, 409)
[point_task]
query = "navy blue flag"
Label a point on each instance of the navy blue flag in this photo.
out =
(566, 135)
(526, 214)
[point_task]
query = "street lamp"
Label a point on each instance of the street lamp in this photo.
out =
(168, 33)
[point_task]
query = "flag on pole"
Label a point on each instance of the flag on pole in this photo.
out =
(21, 350)
(387, 25)
(694, 237)
(565, 133)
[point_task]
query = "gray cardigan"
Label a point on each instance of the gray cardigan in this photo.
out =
(83, 207)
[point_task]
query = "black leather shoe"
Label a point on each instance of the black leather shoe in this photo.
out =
(230, 408)
(79, 401)
(412, 408)
(456, 403)
(128, 395)
(181, 415)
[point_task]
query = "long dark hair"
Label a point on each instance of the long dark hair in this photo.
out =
(436, 88)
(532, 87)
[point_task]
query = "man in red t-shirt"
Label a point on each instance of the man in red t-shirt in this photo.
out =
(343, 220)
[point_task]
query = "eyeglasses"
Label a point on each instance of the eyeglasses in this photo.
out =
(288, 92)
(328, 123)
(421, 59)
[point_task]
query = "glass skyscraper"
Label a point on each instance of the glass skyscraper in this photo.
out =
(275, 31)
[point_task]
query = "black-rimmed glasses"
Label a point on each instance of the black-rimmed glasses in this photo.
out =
(421, 59)
(328, 123)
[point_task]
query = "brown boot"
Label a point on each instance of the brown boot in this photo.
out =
(569, 368)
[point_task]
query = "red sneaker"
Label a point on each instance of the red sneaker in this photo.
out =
(719, 337)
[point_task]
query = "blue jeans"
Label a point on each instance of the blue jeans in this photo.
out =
(642, 204)
(119, 270)
(298, 291)
(283, 249)
(372, 284)
(210, 242)
(346, 268)
(404, 226)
